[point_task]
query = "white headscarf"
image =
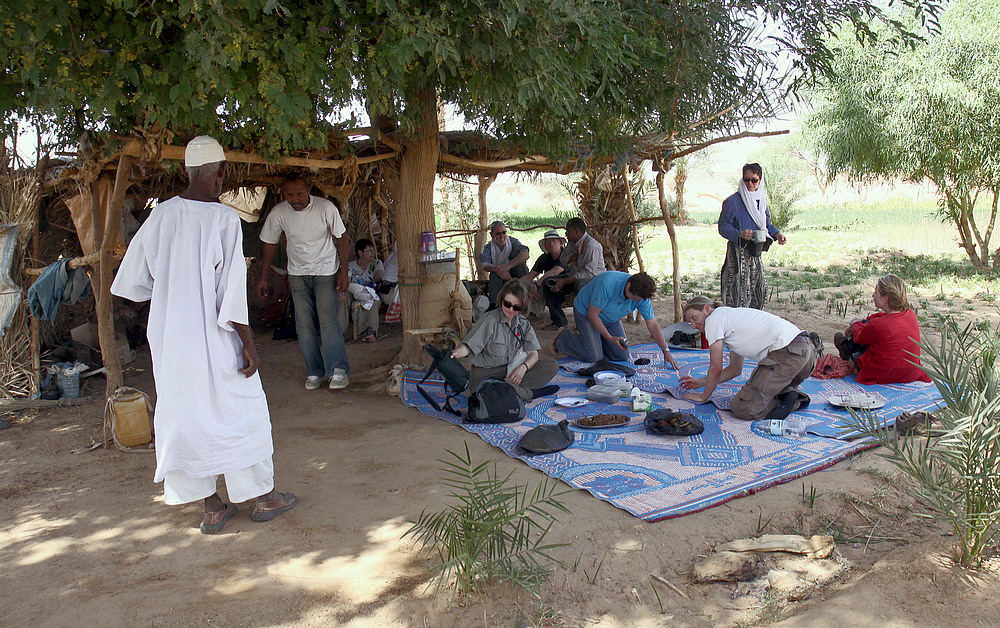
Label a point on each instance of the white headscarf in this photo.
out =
(500, 255)
(755, 202)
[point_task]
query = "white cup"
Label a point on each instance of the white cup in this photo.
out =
(760, 235)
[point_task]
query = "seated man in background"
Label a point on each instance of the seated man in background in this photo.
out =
(581, 260)
(546, 266)
(598, 311)
(503, 258)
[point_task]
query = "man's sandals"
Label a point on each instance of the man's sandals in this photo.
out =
(214, 522)
(267, 510)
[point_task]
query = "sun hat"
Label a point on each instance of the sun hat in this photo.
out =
(202, 150)
(551, 234)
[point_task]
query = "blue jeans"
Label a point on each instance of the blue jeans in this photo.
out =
(587, 344)
(320, 337)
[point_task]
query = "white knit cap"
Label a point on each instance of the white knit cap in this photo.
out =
(202, 150)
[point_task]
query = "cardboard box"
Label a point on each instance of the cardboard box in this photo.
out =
(87, 335)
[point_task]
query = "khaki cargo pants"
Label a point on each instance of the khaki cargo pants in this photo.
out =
(780, 371)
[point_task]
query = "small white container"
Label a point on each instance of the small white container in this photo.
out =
(604, 393)
(643, 402)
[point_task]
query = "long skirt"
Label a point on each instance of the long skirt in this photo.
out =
(743, 280)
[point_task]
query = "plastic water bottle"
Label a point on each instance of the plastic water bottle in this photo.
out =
(795, 427)
(792, 427)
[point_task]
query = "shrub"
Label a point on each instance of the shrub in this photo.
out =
(784, 184)
(955, 469)
(493, 532)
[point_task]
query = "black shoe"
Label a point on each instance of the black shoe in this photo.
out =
(817, 343)
(544, 391)
(788, 402)
(842, 343)
(803, 401)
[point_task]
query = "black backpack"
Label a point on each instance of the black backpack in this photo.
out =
(455, 377)
(495, 401)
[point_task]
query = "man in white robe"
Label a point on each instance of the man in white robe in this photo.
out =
(211, 414)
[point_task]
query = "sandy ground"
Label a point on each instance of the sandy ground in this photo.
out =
(86, 539)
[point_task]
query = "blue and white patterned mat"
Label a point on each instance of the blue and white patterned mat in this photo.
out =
(658, 477)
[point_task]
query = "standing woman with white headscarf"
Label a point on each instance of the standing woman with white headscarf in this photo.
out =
(746, 223)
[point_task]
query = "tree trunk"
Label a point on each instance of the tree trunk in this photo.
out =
(485, 181)
(417, 172)
(674, 258)
(965, 221)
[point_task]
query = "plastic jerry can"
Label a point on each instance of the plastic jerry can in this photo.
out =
(129, 416)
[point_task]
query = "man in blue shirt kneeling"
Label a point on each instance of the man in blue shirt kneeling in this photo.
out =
(599, 309)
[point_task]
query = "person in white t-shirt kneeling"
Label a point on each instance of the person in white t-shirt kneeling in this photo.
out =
(784, 354)
(318, 253)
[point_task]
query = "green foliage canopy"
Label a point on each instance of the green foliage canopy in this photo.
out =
(269, 75)
(239, 69)
(927, 113)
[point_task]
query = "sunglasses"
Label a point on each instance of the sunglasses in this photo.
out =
(749, 180)
(507, 304)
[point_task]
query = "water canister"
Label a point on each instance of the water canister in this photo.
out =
(128, 412)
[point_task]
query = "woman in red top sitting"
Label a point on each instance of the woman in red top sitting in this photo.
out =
(885, 347)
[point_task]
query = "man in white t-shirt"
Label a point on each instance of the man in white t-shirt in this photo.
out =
(317, 269)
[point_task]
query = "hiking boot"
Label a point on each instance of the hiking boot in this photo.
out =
(339, 379)
(313, 382)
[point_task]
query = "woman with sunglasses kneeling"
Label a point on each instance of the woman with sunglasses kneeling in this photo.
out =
(746, 222)
(502, 345)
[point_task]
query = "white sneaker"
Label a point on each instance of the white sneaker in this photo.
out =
(338, 380)
(313, 382)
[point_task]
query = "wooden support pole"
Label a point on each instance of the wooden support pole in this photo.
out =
(36, 341)
(674, 254)
(105, 270)
(96, 220)
(456, 301)
(485, 181)
(176, 153)
(76, 262)
(631, 213)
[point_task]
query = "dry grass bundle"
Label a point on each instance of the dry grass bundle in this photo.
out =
(17, 379)
(609, 212)
(19, 195)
